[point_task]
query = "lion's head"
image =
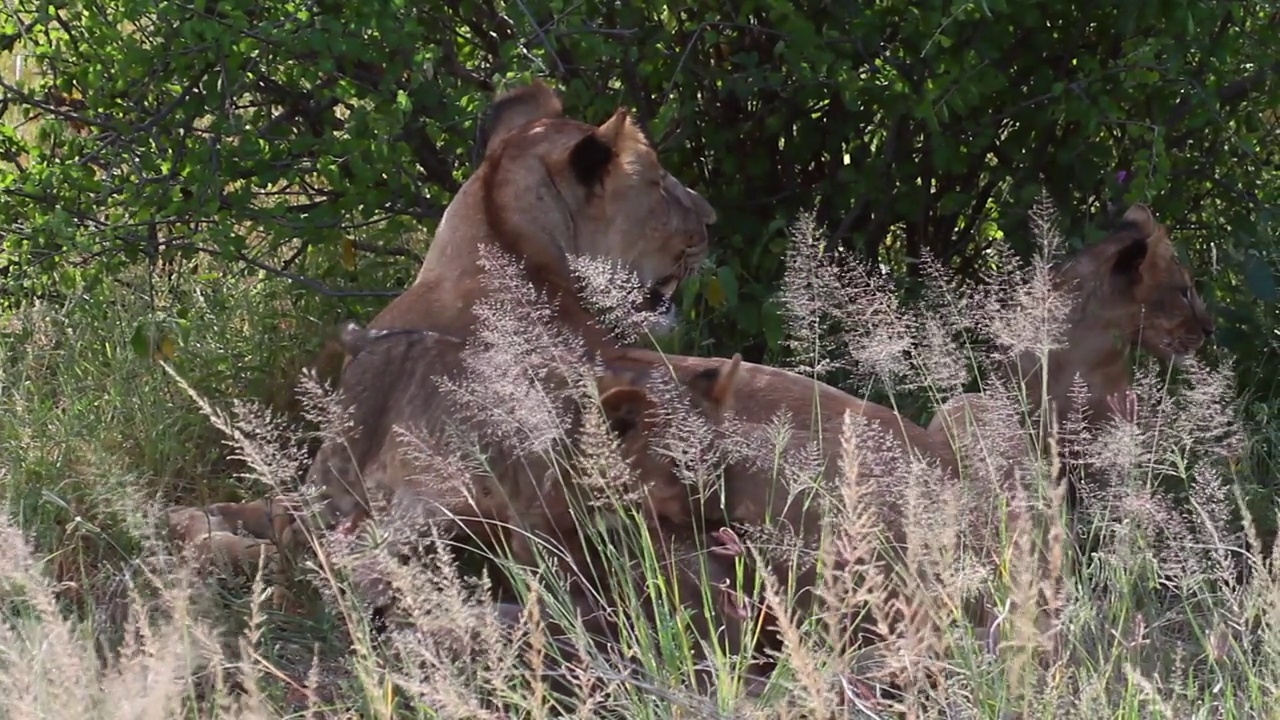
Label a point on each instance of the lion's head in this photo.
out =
(1129, 290)
(1133, 284)
(549, 188)
(610, 197)
(642, 415)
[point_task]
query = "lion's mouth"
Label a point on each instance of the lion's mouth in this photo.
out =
(1178, 351)
(659, 298)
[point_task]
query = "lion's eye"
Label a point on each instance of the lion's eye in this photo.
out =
(1185, 293)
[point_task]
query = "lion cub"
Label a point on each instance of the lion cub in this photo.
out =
(210, 534)
(398, 380)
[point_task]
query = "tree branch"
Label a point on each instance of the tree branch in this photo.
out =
(306, 282)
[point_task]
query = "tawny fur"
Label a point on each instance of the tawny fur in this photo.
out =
(1130, 290)
(395, 383)
(550, 187)
(543, 193)
(752, 496)
(265, 518)
(211, 539)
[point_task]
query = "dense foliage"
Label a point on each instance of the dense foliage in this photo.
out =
(218, 182)
(308, 138)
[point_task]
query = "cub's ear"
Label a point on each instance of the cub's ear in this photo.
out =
(514, 108)
(623, 408)
(1129, 260)
(716, 386)
(591, 157)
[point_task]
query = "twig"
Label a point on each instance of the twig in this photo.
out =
(306, 282)
(543, 37)
(680, 65)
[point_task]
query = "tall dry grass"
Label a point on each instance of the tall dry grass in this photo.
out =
(1170, 614)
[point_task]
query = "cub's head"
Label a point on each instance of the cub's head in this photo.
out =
(1134, 281)
(634, 415)
(556, 187)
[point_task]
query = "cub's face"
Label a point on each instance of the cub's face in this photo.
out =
(1153, 294)
(635, 416)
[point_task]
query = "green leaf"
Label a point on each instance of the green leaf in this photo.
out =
(1260, 278)
(140, 340)
(714, 292)
(729, 284)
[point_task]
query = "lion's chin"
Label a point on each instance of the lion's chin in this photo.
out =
(1176, 355)
(660, 308)
(1165, 354)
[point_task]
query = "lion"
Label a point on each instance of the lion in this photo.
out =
(757, 496)
(415, 449)
(213, 536)
(866, 504)
(1128, 290)
(548, 188)
(518, 502)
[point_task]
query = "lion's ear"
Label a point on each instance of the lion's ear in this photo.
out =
(716, 386)
(514, 108)
(623, 407)
(1129, 259)
(1141, 216)
(591, 157)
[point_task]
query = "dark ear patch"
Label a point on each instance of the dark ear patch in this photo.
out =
(623, 407)
(1129, 259)
(716, 386)
(590, 160)
(703, 383)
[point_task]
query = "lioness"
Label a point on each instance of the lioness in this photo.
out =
(550, 187)
(395, 377)
(788, 515)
